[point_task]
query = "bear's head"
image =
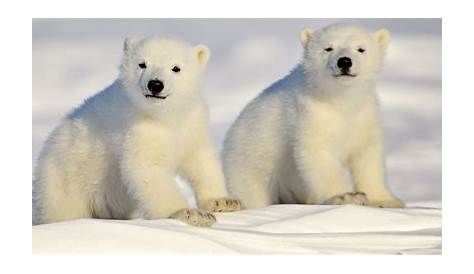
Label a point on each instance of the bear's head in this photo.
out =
(161, 75)
(341, 55)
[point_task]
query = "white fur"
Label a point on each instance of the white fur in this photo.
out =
(116, 155)
(293, 142)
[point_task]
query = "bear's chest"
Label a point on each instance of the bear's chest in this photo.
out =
(185, 138)
(339, 126)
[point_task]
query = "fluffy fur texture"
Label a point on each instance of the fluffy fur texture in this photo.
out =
(293, 142)
(116, 155)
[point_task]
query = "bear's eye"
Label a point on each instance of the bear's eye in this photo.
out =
(142, 65)
(361, 50)
(328, 49)
(176, 69)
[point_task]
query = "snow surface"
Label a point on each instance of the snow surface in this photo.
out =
(73, 59)
(277, 229)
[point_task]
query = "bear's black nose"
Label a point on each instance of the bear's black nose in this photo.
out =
(344, 63)
(155, 86)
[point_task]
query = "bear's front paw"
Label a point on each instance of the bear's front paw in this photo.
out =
(222, 205)
(355, 198)
(392, 203)
(194, 217)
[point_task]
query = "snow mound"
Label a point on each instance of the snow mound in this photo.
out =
(277, 229)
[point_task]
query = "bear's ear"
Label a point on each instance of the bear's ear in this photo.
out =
(305, 36)
(128, 43)
(202, 53)
(382, 37)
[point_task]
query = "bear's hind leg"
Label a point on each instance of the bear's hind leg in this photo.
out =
(55, 204)
(252, 190)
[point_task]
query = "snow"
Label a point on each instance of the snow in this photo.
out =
(277, 229)
(73, 59)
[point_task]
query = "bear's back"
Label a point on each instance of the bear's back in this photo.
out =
(108, 106)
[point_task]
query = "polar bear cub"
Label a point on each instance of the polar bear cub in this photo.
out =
(293, 143)
(116, 155)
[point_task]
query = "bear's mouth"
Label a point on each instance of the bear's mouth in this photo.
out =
(345, 74)
(156, 96)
